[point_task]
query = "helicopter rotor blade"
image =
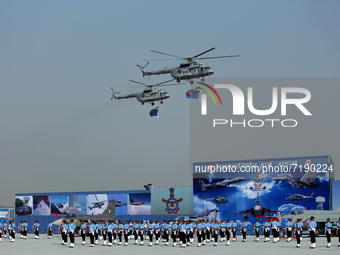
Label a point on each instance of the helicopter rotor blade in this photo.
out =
(159, 84)
(202, 53)
(172, 84)
(139, 83)
(167, 54)
(221, 57)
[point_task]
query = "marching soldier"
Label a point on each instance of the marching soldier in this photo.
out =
(11, 230)
(215, 231)
(208, 231)
(183, 233)
(257, 230)
(191, 231)
(141, 229)
(83, 228)
(312, 232)
(298, 232)
(24, 229)
(64, 232)
(234, 228)
(135, 231)
(4, 229)
(174, 233)
(120, 231)
(222, 230)
(110, 229)
(104, 232)
(151, 228)
(114, 231)
(166, 229)
(266, 230)
(49, 230)
(328, 230)
(244, 230)
(199, 233)
(92, 232)
(204, 229)
(228, 231)
(275, 230)
(36, 227)
(71, 229)
(157, 232)
(126, 232)
(289, 230)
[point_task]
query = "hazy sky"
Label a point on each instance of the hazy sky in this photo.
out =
(59, 131)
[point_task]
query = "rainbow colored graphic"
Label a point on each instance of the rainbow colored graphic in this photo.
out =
(209, 93)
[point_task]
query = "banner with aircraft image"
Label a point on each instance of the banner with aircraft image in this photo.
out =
(258, 189)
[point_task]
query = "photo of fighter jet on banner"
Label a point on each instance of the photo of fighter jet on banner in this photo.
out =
(251, 195)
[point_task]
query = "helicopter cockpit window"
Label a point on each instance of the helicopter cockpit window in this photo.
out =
(184, 65)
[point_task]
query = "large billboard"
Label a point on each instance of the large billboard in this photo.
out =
(173, 200)
(258, 189)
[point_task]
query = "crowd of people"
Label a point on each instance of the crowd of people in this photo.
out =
(181, 232)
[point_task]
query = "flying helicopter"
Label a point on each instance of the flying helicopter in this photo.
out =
(188, 70)
(149, 95)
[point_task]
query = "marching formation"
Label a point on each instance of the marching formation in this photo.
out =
(181, 232)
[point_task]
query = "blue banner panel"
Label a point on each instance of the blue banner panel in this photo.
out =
(336, 197)
(78, 203)
(121, 203)
(140, 204)
(41, 205)
(97, 203)
(59, 204)
(171, 201)
(23, 205)
(261, 189)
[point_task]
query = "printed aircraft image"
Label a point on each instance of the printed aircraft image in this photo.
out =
(206, 215)
(97, 204)
(75, 206)
(120, 204)
(108, 214)
(136, 203)
(257, 211)
(298, 197)
(218, 199)
(307, 181)
(220, 183)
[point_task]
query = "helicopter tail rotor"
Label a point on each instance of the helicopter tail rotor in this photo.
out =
(114, 94)
(142, 68)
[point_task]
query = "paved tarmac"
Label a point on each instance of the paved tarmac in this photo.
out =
(53, 246)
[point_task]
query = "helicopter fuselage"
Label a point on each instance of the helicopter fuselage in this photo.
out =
(151, 95)
(185, 71)
(191, 70)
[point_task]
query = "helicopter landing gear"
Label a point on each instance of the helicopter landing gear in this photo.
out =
(142, 103)
(178, 80)
(152, 103)
(161, 102)
(191, 82)
(202, 79)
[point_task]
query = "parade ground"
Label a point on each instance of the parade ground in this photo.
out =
(53, 246)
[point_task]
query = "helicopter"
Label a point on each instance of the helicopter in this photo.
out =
(187, 70)
(149, 95)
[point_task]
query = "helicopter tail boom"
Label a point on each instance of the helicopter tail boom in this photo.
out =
(142, 68)
(157, 72)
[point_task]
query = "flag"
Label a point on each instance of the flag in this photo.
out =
(193, 93)
(154, 112)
